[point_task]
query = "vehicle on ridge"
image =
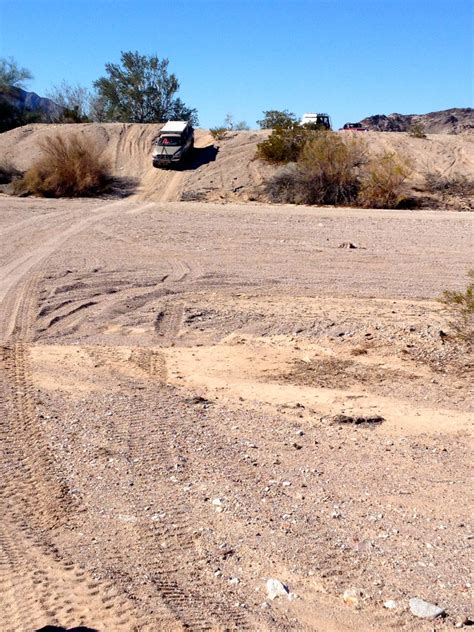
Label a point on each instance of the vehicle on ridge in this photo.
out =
(173, 144)
(317, 119)
(354, 127)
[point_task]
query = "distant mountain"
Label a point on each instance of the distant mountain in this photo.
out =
(453, 121)
(30, 102)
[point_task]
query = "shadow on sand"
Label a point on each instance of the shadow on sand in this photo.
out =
(121, 187)
(58, 628)
(199, 156)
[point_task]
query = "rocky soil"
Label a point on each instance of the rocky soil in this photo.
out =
(214, 417)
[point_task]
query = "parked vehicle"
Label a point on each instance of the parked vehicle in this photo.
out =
(173, 144)
(316, 119)
(355, 127)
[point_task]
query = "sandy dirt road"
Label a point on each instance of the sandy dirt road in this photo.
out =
(170, 373)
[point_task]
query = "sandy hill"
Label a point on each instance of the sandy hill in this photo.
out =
(224, 170)
(453, 121)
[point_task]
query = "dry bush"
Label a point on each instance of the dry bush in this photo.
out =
(218, 133)
(69, 167)
(381, 184)
(288, 186)
(461, 307)
(457, 185)
(332, 165)
(327, 172)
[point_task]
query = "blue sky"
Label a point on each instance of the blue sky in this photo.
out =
(350, 58)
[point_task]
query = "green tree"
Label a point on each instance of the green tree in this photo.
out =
(12, 78)
(11, 75)
(141, 90)
(274, 119)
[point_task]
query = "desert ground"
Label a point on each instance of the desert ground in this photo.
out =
(199, 396)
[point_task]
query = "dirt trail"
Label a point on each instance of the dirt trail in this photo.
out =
(169, 377)
(40, 584)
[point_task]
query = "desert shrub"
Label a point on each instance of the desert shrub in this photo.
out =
(332, 165)
(273, 119)
(8, 172)
(327, 168)
(288, 186)
(457, 185)
(327, 172)
(218, 133)
(241, 126)
(221, 132)
(461, 308)
(67, 168)
(381, 184)
(417, 130)
(284, 144)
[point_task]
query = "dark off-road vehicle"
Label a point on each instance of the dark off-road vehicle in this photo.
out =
(316, 120)
(354, 127)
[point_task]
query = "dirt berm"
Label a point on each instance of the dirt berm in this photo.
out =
(225, 170)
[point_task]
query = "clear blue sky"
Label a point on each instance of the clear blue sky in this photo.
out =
(350, 58)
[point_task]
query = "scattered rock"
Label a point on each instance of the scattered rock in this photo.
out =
(217, 504)
(348, 245)
(352, 596)
(356, 420)
(197, 399)
(234, 581)
(275, 588)
(424, 609)
(391, 604)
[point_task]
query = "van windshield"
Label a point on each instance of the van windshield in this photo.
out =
(173, 141)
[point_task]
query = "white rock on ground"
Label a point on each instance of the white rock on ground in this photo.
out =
(275, 588)
(424, 609)
(352, 596)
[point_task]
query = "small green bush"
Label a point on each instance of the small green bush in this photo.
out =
(284, 144)
(461, 307)
(67, 168)
(417, 130)
(277, 119)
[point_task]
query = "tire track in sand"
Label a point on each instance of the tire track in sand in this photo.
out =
(35, 578)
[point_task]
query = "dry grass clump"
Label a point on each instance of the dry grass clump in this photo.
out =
(461, 308)
(457, 185)
(70, 167)
(218, 133)
(328, 168)
(381, 184)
